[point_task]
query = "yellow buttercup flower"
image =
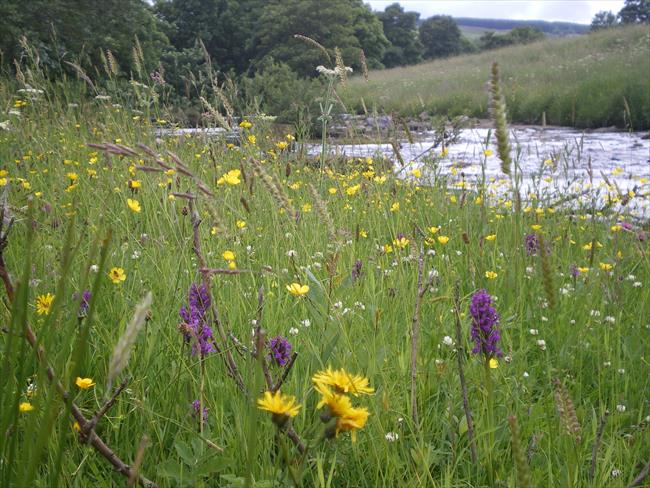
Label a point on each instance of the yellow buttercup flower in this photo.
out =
(25, 407)
(298, 290)
(44, 304)
(117, 275)
(490, 275)
(605, 266)
(416, 173)
(228, 255)
(491, 237)
(245, 124)
(494, 363)
(332, 190)
(402, 242)
(535, 226)
(134, 205)
(84, 383)
(443, 240)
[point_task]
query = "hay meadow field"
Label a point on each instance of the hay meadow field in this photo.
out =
(193, 311)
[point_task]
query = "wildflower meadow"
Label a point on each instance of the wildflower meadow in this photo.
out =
(186, 309)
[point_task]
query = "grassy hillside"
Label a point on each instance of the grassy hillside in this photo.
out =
(581, 82)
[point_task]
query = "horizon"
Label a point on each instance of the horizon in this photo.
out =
(574, 11)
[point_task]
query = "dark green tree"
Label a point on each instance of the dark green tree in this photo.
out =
(440, 37)
(603, 20)
(81, 31)
(518, 35)
(635, 12)
(224, 26)
(400, 28)
(346, 24)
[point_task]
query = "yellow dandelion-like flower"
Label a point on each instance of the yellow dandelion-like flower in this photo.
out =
(605, 266)
(491, 237)
(298, 290)
(332, 190)
(84, 383)
(117, 275)
(348, 418)
(490, 275)
(44, 304)
(443, 240)
(281, 406)
(343, 382)
(228, 255)
(351, 190)
(245, 124)
(232, 178)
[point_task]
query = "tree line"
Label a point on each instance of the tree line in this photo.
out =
(633, 12)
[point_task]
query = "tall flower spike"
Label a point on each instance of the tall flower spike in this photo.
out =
(485, 325)
(498, 111)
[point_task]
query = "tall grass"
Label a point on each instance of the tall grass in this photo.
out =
(364, 286)
(582, 82)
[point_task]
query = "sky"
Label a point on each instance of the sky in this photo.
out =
(579, 11)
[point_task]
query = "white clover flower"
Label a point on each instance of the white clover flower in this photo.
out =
(392, 436)
(525, 375)
(293, 331)
(533, 332)
(291, 253)
(305, 323)
(620, 371)
(610, 319)
(94, 268)
(448, 341)
(616, 473)
(542, 344)
(338, 304)
(594, 313)
(620, 408)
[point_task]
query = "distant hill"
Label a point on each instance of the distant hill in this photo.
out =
(553, 29)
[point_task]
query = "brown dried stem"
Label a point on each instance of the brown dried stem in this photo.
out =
(642, 476)
(596, 446)
(461, 374)
(231, 365)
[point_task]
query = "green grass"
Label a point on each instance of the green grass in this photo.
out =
(581, 82)
(596, 335)
(474, 32)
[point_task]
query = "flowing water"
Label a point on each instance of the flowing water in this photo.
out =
(552, 162)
